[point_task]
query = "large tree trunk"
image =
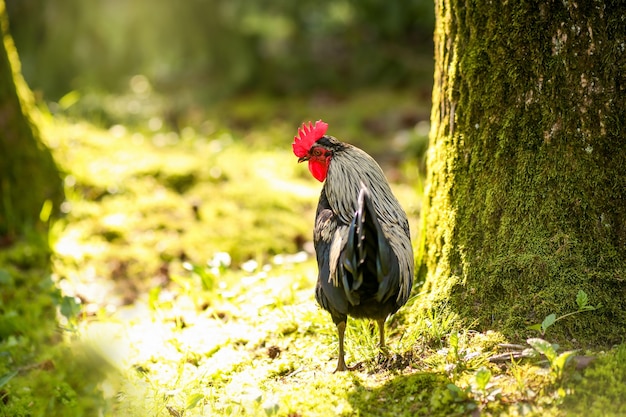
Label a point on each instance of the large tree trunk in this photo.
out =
(28, 175)
(526, 196)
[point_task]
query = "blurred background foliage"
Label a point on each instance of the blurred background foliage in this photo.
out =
(205, 51)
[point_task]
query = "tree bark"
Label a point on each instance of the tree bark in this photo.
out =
(525, 201)
(28, 174)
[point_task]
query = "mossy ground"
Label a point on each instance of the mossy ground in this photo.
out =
(189, 256)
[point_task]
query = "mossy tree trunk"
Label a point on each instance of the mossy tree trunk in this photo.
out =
(526, 193)
(28, 175)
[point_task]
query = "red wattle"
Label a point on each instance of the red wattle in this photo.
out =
(318, 170)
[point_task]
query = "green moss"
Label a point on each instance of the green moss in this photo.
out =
(40, 374)
(602, 389)
(522, 208)
(415, 394)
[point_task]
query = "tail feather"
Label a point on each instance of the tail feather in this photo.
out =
(367, 250)
(354, 255)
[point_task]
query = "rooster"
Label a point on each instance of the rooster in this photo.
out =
(361, 235)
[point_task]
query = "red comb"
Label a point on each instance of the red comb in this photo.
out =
(307, 136)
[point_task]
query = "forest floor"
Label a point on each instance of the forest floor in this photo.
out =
(187, 274)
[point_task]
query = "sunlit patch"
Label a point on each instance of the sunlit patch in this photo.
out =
(250, 266)
(72, 245)
(283, 259)
(139, 84)
(117, 131)
(116, 220)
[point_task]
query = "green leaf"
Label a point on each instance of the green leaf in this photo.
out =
(153, 297)
(582, 300)
(46, 210)
(69, 99)
(454, 389)
(271, 408)
(69, 307)
(547, 322)
(454, 341)
(559, 363)
(543, 347)
(207, 278)
(535, 327)
(5, 277)
(483, 375)
(4, 379)
(193, 401)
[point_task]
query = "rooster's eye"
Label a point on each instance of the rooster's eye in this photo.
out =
(317, 152)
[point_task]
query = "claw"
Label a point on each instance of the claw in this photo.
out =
(383, 356)
(342, 367)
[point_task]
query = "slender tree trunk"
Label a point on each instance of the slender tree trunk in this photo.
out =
(526, 193)
(28, 175)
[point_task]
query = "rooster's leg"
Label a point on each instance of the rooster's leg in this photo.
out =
(341, 363)
(381, 332)
(383, 353)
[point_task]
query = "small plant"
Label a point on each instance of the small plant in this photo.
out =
(484, 390)
(582, 301)
(482, 378)
(475, 397)
(455, 360)
(549, 350)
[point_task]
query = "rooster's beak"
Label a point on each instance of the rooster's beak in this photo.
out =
(303, 158)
